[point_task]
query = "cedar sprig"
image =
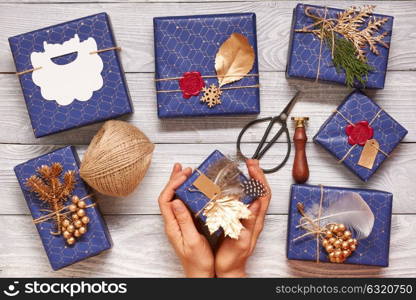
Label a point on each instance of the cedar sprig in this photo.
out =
(347, 39)
(48, 186)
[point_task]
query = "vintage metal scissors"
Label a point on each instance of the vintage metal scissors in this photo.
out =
(264, 146)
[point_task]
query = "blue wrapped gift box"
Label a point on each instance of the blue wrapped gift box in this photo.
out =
(94, 241)
(304, 51)
(355, 108)
(71, 86)
(196, 200)
(373, 250)
(190, 44)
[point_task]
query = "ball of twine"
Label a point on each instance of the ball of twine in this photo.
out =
(117, 159)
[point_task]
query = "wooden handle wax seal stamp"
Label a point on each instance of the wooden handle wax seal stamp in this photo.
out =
(300, 171)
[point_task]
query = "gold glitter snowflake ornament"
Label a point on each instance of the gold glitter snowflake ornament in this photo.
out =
(212, 95)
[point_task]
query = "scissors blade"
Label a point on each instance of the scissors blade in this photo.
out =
(285, 113)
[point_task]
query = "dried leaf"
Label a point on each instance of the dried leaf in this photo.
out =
(235, 58)
(226, 213)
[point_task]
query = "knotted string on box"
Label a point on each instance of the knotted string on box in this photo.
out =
(315, 226)
(326, 25)
(353, 146)
(210, 76)
(57, 214)
(92, 52)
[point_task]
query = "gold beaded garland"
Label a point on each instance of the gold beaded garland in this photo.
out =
(338, 243)
(81, 204)
(81, 212)
(66, 234)
(76, 226)
(65, 223)
(77, 223)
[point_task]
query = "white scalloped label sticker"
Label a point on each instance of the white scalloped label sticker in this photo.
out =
(77, 79)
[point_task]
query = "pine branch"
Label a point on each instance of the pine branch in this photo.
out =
(56, 169)
(45, 172)
(36, 185)
(68, 185)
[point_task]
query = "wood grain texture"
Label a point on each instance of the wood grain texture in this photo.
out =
(140, 246)
(318, 102)
(136, 38)
(142, 250)
(393, 176)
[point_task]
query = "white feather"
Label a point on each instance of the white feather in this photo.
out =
(350, 209)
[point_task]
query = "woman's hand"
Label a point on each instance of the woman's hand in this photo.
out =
(232, 255)
(191, 247)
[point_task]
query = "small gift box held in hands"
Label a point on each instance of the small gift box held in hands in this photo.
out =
(68, 221)
(339, 225)
(360, 134)
(206, 65)
(218, 194)
(348, 46)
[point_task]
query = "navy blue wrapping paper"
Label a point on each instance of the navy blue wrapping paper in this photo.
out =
(190, 43)
(358, 107)
(196, 200)
(304, 49)
(94, 241)
(373, 250)
(110, 101)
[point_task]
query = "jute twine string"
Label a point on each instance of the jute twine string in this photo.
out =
(56, 214)
(211, 76)
(312, 226)
(327, 24)
(117, 159)
(92, 52)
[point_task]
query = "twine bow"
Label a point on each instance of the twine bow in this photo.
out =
(327, 25)
(57, 214)
(312, 226)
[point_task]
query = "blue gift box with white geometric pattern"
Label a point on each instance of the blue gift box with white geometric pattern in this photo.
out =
(190, 44)
(94, 241)
(357, 107)
(196, 200)
(71, 74)
(372, 250)
(305, 50)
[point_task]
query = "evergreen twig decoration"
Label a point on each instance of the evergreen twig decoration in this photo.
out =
(347, 36)
(49, 187)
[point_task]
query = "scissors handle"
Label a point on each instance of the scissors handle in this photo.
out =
(260, 151)
(247, 126)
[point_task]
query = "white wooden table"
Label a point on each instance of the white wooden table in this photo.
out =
(140, 247)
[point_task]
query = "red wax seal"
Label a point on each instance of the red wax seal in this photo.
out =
(191, 84)
(359, 133)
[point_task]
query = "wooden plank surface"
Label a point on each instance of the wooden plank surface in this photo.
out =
(393, 176)
(142, 250)
(136, 38)
(318, 102)
(140, 247)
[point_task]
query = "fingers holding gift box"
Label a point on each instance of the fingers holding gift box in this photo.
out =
(218, 194)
